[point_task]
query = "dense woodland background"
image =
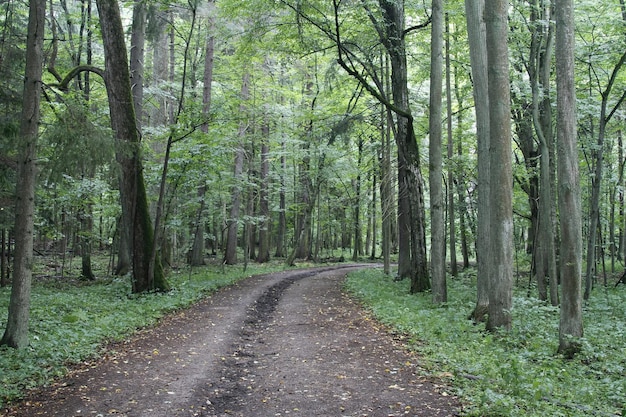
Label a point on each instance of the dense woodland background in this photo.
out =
(245, 135)
(265, 131)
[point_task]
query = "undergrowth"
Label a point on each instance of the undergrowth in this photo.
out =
(70, 320)
(509, 374)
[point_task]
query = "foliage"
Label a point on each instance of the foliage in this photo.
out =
(71, 321)
(514, 374)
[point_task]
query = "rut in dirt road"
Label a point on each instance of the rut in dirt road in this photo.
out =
(284, 344)
(236, 366)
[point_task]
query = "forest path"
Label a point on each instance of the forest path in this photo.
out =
(289, 343)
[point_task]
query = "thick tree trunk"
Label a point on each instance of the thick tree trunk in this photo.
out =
(16, 332)
(570, 324)
(435, 162)
(123, 122)
(474, 10)
(501, 193)
(411, 210)
(136, 73)
(137, 45)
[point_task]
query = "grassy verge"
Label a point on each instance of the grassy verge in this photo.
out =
(71, 320)
(515, 374)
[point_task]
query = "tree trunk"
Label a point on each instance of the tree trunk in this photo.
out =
(4, 278)
(501, 193)
(450, 154)
(230, 255)
(435, 163)
(459, 180)
(356, 211)
(264, 208)
(196, 257)
(282, 207)
(197, 250)
(386, 200)
(411, 210)
(542, 118)
(85, 238)
(16, 332)
(476, 30)
(132, 190)
(137, 45)
(136, 73)
(570, 324)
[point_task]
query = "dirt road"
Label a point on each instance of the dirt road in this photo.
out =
(284, 344)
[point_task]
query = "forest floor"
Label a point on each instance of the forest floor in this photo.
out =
(288, 343)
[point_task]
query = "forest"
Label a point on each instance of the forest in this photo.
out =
(477, 142)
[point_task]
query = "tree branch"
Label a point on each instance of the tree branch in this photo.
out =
(417, 27)
(62, 84)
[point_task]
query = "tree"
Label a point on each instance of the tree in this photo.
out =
(230, 255)
(128, 154)
(476, 30)
(570, 324)
(501, 192)
(435, 164)
(196, 256)
(16, 332)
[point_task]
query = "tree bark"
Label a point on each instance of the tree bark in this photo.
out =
(501, 193)
(282, 207)
(197, 251)
(16, 332)
(570, 324)
(411, 210)
(264, 208)
(230, 255)
(450, 154)
(123, 121)
(435, 163)
(474, 10)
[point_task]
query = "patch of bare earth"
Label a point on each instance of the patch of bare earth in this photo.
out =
(285, 344)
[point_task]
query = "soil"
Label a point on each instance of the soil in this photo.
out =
(283, 344)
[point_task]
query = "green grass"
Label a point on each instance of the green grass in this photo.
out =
(514, 374)
(71, 320)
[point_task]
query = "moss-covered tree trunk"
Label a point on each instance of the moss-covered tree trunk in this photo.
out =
(132, 187)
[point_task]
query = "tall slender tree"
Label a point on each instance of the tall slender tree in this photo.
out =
(570, 324)
(435, 163)
(476, 30)
(16, 332)
(501, 192)
(230, 254)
